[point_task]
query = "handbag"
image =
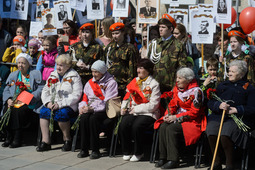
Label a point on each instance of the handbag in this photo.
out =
(113, 107)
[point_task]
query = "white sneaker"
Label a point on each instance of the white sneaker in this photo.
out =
(136, 158)
(126, 157)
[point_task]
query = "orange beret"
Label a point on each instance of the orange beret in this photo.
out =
(87, 26)
(116, 26)
(236, 33)
(169, 18)
(20, 39)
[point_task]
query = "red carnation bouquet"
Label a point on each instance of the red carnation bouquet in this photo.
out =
(20, 86)
(211, 94)
(52, 85)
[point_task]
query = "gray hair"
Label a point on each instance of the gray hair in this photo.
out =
(64, 58)
(186, 73)
(241, 65)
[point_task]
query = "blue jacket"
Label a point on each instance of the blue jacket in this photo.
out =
(243, 97)
(35, 80)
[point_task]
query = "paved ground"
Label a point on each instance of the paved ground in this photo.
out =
(27, 158)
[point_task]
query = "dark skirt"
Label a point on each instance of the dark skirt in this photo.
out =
(229, 128)
(61, 115)
(20, 117)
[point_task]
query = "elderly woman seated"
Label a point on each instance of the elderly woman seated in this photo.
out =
(97, 92)
(184, 120)
(140, 110)
(238, 96)
(61, 95)
(21, 112)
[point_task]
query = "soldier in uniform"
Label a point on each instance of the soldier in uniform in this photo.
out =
(85, 52)
(120, 57)
(167, 53)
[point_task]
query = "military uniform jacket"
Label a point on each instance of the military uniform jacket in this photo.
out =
(250, 65)
(173, 55)
(88, 55)
(121, 62)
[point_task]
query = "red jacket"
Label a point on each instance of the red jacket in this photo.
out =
(194, 120)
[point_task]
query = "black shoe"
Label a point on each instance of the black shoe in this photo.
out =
(160, 163)
(170, 165)
(216, 167)
(83, 154)
(94, 155)
(15, 144)
(6, 143)
(67, 146)
(43, 147)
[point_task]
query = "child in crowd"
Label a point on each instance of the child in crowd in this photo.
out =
(13, 51)
(212, 67)
(41, 38)
(21, 30)
(46, 62)
(33, 46)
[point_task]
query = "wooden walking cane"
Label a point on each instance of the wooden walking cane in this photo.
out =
(218, 139)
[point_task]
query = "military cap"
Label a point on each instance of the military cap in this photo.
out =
(116, 26)
(169, 18)
(87, 26)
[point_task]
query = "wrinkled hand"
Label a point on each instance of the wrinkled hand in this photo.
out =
(123, 111)
(55, 106)
(86, 109)
(10, 102)
(132, 111)
(49, 105)
(232, 110)
(224, 106)
(169, 118)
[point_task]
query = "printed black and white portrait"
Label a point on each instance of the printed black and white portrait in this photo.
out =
(204, 27)
(19, 5)
(95, 5)
(48, 24)
(178, 18)
(222, 7)
(121, 4)
(148, 10)
(7, 5)
(62, 14)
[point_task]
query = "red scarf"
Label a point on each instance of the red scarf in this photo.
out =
(137, 94)
(96, 89)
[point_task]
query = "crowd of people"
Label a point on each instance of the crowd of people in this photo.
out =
(74, 74)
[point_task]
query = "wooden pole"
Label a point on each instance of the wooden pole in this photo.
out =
(95, 28)
(98, 27)
(202, 55)
(218, 139)
(222, 40)
(74, 13)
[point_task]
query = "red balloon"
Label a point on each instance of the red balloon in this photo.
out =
(247, 20)
(233, 18)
